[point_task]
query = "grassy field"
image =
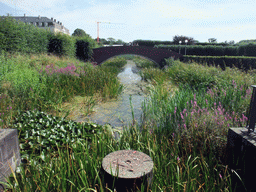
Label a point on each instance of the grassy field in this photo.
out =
(186, 116)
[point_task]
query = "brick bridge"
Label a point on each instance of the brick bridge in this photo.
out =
(154, 54)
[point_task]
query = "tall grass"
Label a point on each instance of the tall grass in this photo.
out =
(44, 82)
(78, 168)
(184, 131)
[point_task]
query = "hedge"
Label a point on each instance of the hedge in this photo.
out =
(240, 62)
(211, 50)
(20, 37)
(151, 43)
(84, 48)
(61, 45)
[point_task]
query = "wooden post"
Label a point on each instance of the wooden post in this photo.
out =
(127, 170)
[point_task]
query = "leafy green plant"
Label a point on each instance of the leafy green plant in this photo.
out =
(39, 133)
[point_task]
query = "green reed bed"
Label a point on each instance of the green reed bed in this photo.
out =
(183, 130)
(76, 165)
(207, 103)
(43, 82)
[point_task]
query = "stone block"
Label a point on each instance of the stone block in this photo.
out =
(241, 156)
(9, 152)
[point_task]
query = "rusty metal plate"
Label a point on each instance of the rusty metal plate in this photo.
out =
(127, 164)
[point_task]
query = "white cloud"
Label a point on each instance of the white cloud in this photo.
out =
(145, 19)
(34, 7)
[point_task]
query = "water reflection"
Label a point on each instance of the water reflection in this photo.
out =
(118, 112)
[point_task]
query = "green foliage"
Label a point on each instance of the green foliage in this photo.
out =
(212, 40)
(24, 80)
(62, 45)
(200, 50)
(213, 50)
(143, 62)
(178, 38)
(83, 49)
(247, 41)
(183, 131)
(196, 76)
(247, 49)
(39, 133)
(80, 165)
(80, 33)
(118, 62)
(84, 46)
(245, 63)
(151, 43)
(20, 37)
(45, 82)
(12, 35)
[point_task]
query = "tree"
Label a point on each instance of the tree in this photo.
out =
(111, 40)
(212, 40)
(80, 33)
(119, 41)
(177, 39)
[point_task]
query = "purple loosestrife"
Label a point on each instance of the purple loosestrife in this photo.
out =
(69, 70)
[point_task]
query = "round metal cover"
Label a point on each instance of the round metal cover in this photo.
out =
(127, 164)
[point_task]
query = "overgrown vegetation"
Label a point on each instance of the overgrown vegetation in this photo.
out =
(44, 83)
(241, 62)
(184, 131)
(213, 50)
(24, 38)
(184, 125)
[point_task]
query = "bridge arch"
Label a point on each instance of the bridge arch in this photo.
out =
(154, 54)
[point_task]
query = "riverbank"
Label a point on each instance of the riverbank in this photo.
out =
(183, 132)
(126, 108)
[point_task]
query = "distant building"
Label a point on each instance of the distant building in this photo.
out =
(44, 22)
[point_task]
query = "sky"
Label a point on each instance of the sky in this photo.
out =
(130, 20)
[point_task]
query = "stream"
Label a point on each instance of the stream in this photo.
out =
(118, 112)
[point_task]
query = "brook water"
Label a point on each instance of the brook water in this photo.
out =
(118, 113)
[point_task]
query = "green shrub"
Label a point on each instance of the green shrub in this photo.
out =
(83, 50)
(24, 80)
(247, 49)
(196, 76)
(142, 62)
(20, 37)
(118, 62)
(12, 35)
(61, 45)
(206, 50)
(39, 133)
(245, 63)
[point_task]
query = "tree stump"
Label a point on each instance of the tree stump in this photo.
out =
(127, 170)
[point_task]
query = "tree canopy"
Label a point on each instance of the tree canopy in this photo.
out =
(79, 33)
(178, 38)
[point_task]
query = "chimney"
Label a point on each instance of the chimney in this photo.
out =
(52, 18)
(24, 14)
(39, 17)
(60, 23)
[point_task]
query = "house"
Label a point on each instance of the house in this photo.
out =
(43, 22)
